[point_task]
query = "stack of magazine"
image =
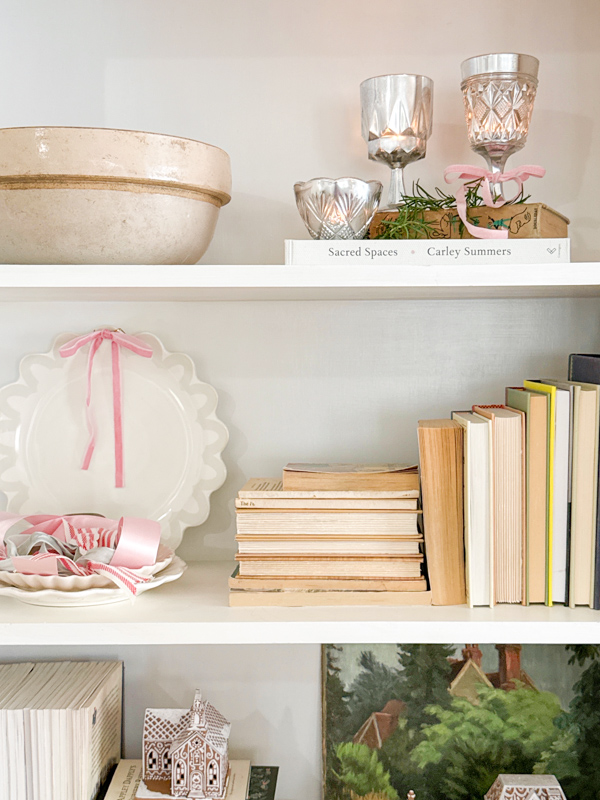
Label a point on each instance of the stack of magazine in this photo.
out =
(60, 728)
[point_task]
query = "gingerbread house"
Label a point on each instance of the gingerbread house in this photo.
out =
(186, 750)
(525, 787)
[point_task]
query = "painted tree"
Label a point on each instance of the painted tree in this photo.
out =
(362, 772)
(467, 745)
(395, 755)
(425, 672)
(336, 709)
(574, 758)
(373, 687)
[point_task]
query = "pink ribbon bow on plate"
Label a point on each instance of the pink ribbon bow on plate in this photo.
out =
(117, 339)
(465, 172)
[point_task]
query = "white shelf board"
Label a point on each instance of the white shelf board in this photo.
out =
(194, 610)
(279, 282)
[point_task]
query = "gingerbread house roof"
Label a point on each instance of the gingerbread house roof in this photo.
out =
(216, 732)
(163, 724)
(526, 787)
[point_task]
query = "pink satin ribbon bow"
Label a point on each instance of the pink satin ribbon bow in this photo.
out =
(465, 172)
(117, 340)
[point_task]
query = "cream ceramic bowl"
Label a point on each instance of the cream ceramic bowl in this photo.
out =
(101, 196)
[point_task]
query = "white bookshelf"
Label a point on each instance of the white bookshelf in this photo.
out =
(194, 610)
(276, 85)
(200, 282)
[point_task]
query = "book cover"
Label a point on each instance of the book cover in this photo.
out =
(125, 780)
(478, 512)
(426, 252)
(441, 456)
(550, 391)
(585, 368)
(378, 477)
(263, 782)
(561, 400)
(535, 407)
(507, 459)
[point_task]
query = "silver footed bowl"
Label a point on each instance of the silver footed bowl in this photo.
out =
(337, 209)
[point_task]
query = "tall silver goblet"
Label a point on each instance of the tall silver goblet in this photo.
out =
(499, 92)
(397, 113)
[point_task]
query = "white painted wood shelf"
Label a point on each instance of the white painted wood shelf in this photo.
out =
(279, 282)
(194, 610)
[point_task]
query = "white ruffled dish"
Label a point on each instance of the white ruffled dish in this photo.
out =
(94, 596)
(80, 583)
(172, 438)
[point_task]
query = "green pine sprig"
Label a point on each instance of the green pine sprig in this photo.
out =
(411, 223)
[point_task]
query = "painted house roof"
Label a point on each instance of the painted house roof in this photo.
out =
(380, 725)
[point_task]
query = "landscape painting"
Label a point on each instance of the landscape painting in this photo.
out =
(445, 720)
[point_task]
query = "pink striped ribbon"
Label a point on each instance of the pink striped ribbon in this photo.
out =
(117, 339)
(134, 542)
(465, 172)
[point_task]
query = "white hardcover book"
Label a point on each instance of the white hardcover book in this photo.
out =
(11, 677)
(561, 496)
(425, 252)
(478, 506)
(102, 714)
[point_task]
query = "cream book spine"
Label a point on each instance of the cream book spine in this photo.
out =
(425, 252)
(272, 488)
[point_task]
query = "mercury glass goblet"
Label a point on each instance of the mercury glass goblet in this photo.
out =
(337, 209)
(499, 92)
(397, 113)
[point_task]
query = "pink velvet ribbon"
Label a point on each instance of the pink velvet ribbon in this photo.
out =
(465, 172)
(117, 339)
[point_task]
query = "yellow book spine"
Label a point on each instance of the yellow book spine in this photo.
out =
(545, 388)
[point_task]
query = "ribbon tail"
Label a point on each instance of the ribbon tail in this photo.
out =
(475, 231)
(117, 414)
(91, 422)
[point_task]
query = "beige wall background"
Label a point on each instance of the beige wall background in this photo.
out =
(275, 83)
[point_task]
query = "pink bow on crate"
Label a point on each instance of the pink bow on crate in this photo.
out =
(81, 544)
(465, 172)
(117, 339)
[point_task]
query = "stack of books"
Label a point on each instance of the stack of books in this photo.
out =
(329, 534)
(244, 782)
(530, 492)
(60, 728)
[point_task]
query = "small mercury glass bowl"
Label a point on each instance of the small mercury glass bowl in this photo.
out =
(339, 208)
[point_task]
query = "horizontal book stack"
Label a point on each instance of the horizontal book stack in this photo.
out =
(60, 728)
(330, 534)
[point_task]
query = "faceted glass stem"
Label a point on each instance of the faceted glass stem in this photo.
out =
(496, 163)
(396, 192)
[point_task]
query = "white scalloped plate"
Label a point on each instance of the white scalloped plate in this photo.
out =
(172, 438)
(93, 597)
(79, 583)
